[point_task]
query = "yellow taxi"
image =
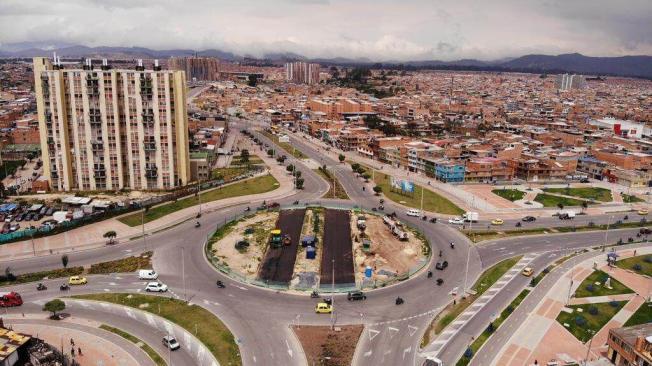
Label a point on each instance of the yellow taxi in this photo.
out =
(497, 222)
(527, 271)
(323, 308)
(643, 212)
(77, 280)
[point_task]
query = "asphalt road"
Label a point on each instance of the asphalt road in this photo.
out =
(259, 318)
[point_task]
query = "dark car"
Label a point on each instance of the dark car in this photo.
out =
(529, 219)
(28, 217)
(441, 265)
(50, 211)
(584, 180)
(356, 295)
(645, 231)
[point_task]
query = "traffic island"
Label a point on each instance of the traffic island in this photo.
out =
(328, 347)
(158, 360)
(585, 320)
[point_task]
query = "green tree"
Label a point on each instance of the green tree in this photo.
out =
(64, 260)
(585, 205)
(270, 152)
(341, 158)
(244, 156)
(54, 306)
(355, 167)
(366, 176)
(252, 80)
(290, 168)
(378, 189)
(299, 183)
(110, 235)
(297, 174)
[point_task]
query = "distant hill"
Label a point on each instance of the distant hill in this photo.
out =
(633, 66)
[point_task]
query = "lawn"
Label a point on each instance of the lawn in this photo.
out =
(642, 316)
(38, 276)
(484, 336)
(432, 201)
(210, 330)
(588, 288)
(253, 160)
(247, 187)
(158, 360)
(487, 278)
(581, 323)
(628, 198)
(129, 264)
(548, 200)
(589, 193)
(230, 173)
(9, 167)
(285, 146)
(339, 190)
(641, 264)
(509, 194)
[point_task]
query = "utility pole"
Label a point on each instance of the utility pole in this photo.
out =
(199, 195)
(466, 271)
(606, 233)
(142, 220)
(333, 296)
(586, 359)
(183, 273)
(422, 189)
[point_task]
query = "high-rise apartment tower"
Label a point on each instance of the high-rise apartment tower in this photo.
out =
(105, 129)
(302, 72)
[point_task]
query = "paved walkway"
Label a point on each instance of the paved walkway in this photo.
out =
(90, 236)
(540, 337)
(438, 344)
(98, 346)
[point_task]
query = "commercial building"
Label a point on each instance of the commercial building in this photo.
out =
(302, 73)
(630, 345)
(105, 129)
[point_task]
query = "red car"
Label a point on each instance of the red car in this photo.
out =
(8, 299)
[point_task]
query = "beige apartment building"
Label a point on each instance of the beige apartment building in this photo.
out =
(104, 129)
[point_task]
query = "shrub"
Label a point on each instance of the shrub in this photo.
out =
(509, 309)
(637, 267)
(580, 321)
(546, 270)
(613, 303)
(593, 310)
(490, 328)
(468, 353)
(590, 287)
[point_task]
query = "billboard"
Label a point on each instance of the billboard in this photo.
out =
(402, 185)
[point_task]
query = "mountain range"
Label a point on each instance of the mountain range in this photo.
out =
(632, 66)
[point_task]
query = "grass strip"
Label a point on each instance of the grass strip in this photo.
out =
(247, 187)
(432, 201)
(509, 194)
(193, 318)
(493, 326)
(641, 264)
(588, 193)
(486, 280)
(642, 316)
(337, 187)
(549, 200)
(142, 345)
(129, 264)
(10, 279)
(285, 146)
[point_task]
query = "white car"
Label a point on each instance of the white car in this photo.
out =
(171, 343)
(456, 221)
(413, 212)
(156, 287)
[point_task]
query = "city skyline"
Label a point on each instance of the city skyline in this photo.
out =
(378, 31)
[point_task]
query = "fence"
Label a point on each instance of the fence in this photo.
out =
(225, 269)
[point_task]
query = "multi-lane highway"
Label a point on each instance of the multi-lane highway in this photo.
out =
(260, 318)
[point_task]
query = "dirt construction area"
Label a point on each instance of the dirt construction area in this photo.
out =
(278, 265)
(326, 347)
(246, 261)
(387, 254)
(337, 246)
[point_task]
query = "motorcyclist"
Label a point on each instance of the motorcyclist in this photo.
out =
(429, 274)
(452, 245)
(197, 224)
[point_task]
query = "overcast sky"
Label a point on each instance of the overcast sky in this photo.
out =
(376, 29)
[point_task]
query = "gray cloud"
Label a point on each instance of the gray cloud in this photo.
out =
(376, 29)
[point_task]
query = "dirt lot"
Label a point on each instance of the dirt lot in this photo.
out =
(320, 342)
(337, 246)
(387, 253)
(278, 265)
(246, 262)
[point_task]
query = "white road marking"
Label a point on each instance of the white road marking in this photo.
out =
(373, 333)
(289, 350)
(407, 350)
(242, 288)
(392, 329)
(412, 329)
(368, 353)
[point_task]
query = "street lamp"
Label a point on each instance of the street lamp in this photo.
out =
(606, 233)
(592, 333)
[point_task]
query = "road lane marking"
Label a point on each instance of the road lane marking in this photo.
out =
(372, 334)
(412, 329)
(407, 350)
(289, 350)
(392, 329)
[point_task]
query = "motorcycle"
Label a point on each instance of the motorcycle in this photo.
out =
(247, 209)
(64, 287)
(399, 301)
(518, 224)
(429, 274)
(439, 281)
(626, 217)
(424, 218)
(374, 209)
(41, 287)
(295, 203)
(197, 224)
(452, 245)
(440, 253)
(433, 220)
(363, 189)
(220, 284)
(382, 201)
(381, 207)
(314, 295)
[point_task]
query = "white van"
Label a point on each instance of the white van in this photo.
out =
(147, 274)
(413, 212)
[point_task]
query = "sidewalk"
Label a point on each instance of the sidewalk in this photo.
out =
(540, 337)
(90, 236)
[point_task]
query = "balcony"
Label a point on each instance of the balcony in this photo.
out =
(97, 146)
(99, 170)
(151, 171)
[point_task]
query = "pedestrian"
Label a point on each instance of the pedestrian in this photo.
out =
(79, 351)
(72, 352)
(72, 342)
(634, 252)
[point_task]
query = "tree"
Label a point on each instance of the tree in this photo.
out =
(378, 189)
(585, 205)
(64, 260)
(289, 168)
(341, 158)
(560, 205)
(281, 159)
(244, 156)
(355, 167)
(366, 176)
(300, 183)
(110, 235)
(53, 306)
(297, 174)
(270, 152)
(252, 80)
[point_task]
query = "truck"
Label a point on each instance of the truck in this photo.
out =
(471, 216)
(276, 239)
(8, 299)
(567, 215)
